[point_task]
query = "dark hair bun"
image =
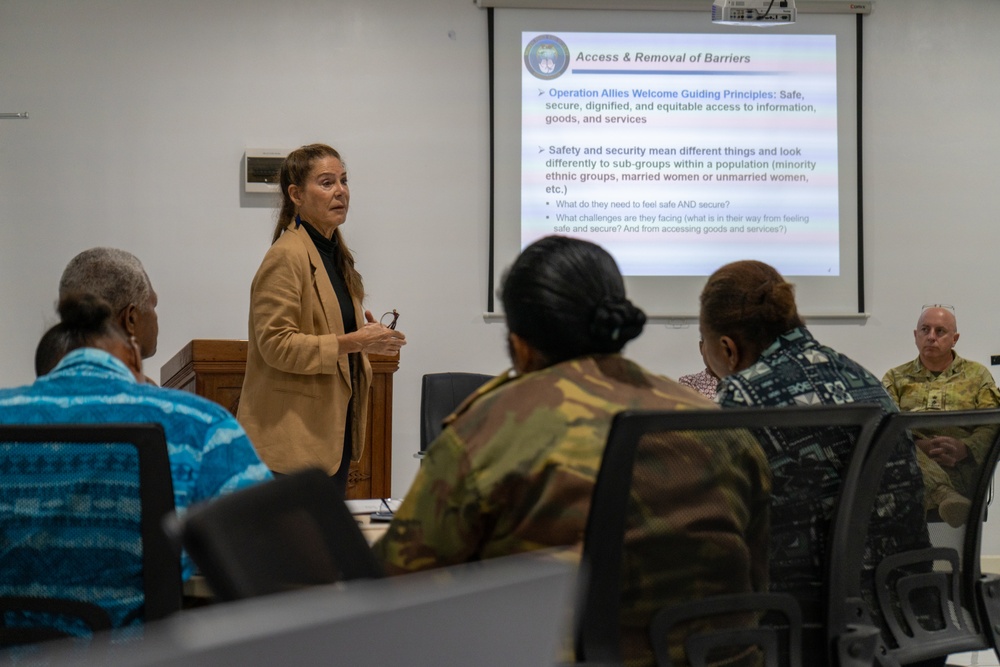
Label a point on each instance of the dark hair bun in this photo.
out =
(750, 302)
(773, 300)
(84, 312)
(616, 322)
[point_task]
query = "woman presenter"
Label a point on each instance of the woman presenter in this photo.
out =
(305, 394)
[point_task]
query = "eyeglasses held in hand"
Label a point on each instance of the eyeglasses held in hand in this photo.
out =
(391, 317)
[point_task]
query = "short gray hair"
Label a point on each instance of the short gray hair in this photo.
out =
(114, 275)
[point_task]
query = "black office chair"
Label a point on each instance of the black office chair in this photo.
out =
(82, 508)
(289, 533)
(636, 440)
(440, 394)
(934, 601)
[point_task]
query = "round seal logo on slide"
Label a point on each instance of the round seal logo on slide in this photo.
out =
(547, 57)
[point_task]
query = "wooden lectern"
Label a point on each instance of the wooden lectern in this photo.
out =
(215, 368)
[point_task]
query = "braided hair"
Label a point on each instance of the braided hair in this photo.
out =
(566, 298)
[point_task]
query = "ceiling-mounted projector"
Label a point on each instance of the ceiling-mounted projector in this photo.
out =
(753, 12)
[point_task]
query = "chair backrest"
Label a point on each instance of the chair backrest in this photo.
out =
(440, 394)
(934, 601)
(634, 441)
(282, 535)
(82, 506)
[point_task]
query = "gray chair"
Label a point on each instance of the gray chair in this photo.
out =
(934, 601)
(635, 439)
(290, 533)
(440, 394)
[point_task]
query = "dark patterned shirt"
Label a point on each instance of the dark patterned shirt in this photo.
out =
(807, 467)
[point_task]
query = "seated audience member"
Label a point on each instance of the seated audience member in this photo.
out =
(97, 382)
(757, 343)
(50, 351)
(704, 382)
(514, 469)
(939, 379)
(117, 276)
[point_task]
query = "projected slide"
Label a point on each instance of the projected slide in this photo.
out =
(680, 152)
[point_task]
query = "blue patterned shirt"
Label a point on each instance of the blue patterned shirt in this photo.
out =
(208, 450)
(807, 466)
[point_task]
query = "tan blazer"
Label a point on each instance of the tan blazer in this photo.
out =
(298, 386)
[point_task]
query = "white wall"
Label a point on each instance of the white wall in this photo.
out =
(140, 112)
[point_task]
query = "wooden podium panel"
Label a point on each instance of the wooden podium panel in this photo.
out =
(215, 368)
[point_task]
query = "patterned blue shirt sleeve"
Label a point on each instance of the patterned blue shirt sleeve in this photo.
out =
(228, 462)
(209, 452)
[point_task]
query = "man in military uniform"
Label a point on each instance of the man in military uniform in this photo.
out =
(939, 379)
(515, 467)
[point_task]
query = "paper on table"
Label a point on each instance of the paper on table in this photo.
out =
(369, 505)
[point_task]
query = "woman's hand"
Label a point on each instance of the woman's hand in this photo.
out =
(372, 338)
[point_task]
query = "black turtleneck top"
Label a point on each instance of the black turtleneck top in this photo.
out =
(328, 250)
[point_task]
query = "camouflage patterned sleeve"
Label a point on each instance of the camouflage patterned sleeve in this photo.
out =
(988, 396)
(979, 442)
(889, 382)
(437, 523)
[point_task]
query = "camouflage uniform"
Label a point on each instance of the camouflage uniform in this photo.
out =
(964, 385)
(515, 469)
